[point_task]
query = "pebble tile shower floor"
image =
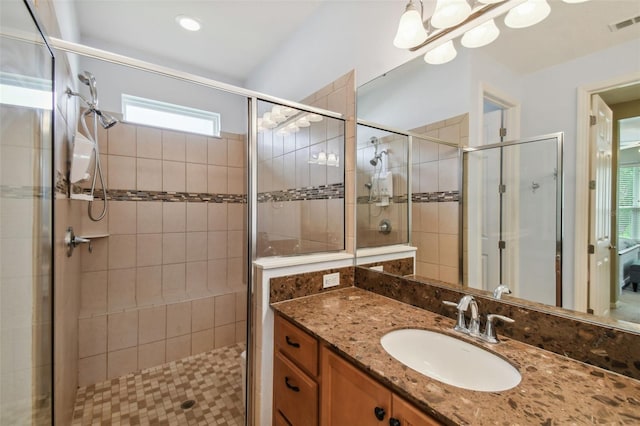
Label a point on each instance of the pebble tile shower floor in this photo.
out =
(153, 396)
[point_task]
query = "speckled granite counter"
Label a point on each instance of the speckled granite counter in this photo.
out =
(554, 390)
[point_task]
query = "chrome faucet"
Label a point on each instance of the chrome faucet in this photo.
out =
(462, 306)
(500, 290)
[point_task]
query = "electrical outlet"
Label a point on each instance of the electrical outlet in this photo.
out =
(331, 280)
(377, 268)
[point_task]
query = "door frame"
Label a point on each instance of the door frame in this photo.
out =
(581, 237)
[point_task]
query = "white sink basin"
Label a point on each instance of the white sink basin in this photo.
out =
(450, 360)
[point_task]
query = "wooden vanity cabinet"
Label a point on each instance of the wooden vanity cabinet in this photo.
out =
(334, 393)
(295, 375)
(351, 397)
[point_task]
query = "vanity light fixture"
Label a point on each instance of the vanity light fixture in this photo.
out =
(574, 1)
(449, 13)
(411, 30)
(442, 54)
(481, 35)
(188, 23)
(288, 120)
(325, 159)
(527, 14)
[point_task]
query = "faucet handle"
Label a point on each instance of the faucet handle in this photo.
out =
(489, 334)
(461, 325)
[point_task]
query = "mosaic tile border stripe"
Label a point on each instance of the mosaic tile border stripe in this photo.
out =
(174, 197)
(435, 197)
(398, 199)
(26, 192)
(322, 192)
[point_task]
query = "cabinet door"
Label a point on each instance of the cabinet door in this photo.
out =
(406, 414)
(295, 395)
(350, 397)
(299, 346)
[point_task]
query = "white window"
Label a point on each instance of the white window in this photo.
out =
(169, 116)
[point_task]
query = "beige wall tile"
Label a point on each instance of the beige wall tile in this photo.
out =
(196, 246)
(122, 217)
(428, 270)
(122, 140)
(428, 151)
(449, 274)
(149, 285)
(151, 354)
(428, 248)
(236, 273)
(429, 217)
(122, 289)
(152, 324)
(225, 307)
(122, 362)
(173, 146)
(149, 175)
(196, 149)
(149, 214)
(149, 249)
(178, 319)
(448, 250)
(92, 370)
(236, 217)
(241, 331)
(225, 335)
(428, 177)
(217, 242)
(448, 175)
(174, 282)
(173, 247)
(202, 314)
(122, 330)
(196, 279)
(178, 348)
(235, 153)
(241, 306)
(174, 217)
(202, 341)
(235, 244)
(122, 251)
(173, 176)
(217, 275)
(448, 222)
(217, 179)
(236, 181)
(217, 151)
(93, 293)
(196, 178)
(445, 152)
(149, 142)
(196, 217)
(92, 336)
(97, 259)
(217, 216)
(122, 172)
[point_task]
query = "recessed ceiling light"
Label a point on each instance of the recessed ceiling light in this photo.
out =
(188, 23)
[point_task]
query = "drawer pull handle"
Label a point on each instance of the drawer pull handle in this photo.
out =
(290, 386)
(380, 413)
(291, 343)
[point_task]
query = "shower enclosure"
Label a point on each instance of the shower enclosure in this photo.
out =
(512, 217)
(26, 138)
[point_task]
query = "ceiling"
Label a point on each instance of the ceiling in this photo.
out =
(238, 35)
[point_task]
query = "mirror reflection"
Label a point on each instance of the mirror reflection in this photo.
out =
(523, 86)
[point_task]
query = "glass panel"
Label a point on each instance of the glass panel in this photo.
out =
(300, 182)
(511, 205)
(25, 227)
(382, 187)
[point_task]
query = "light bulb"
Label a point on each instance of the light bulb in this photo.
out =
(322, 157)
(303, 122)
(481, 35)
(411, 30)
(332, 160)
(450, 13)
(527, 14)
(314, 118)
(188, 23)
(441, 54)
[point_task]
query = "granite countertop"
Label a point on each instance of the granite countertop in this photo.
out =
(554, 389)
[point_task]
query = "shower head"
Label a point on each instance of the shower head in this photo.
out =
(87, 78)
(377, 157)
(106, 120)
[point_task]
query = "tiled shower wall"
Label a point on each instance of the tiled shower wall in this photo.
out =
(435, 196)
(368, 214)
(170, 279)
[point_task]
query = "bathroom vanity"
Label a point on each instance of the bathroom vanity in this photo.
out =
(340, 369)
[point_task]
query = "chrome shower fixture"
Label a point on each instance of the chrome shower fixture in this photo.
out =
(378, 157)
(87, 78)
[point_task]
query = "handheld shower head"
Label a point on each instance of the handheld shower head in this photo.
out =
(87, 78)
(106, 120)
(374, 160)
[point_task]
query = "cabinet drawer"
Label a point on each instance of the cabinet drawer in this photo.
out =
(299, 346)
(295, 395)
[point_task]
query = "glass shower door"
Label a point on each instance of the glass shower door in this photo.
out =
(513, 217)
(26, 86)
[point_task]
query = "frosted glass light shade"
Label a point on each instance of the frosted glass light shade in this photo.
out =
(411, 30)
(574, 1)
(481, 35)
(527, 14)
(450, 12)
(441, 54)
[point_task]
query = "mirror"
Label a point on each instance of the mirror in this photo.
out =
(526, 83)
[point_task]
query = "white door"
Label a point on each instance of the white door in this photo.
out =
(600, 207)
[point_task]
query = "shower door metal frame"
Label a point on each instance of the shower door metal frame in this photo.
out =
(559, 136)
